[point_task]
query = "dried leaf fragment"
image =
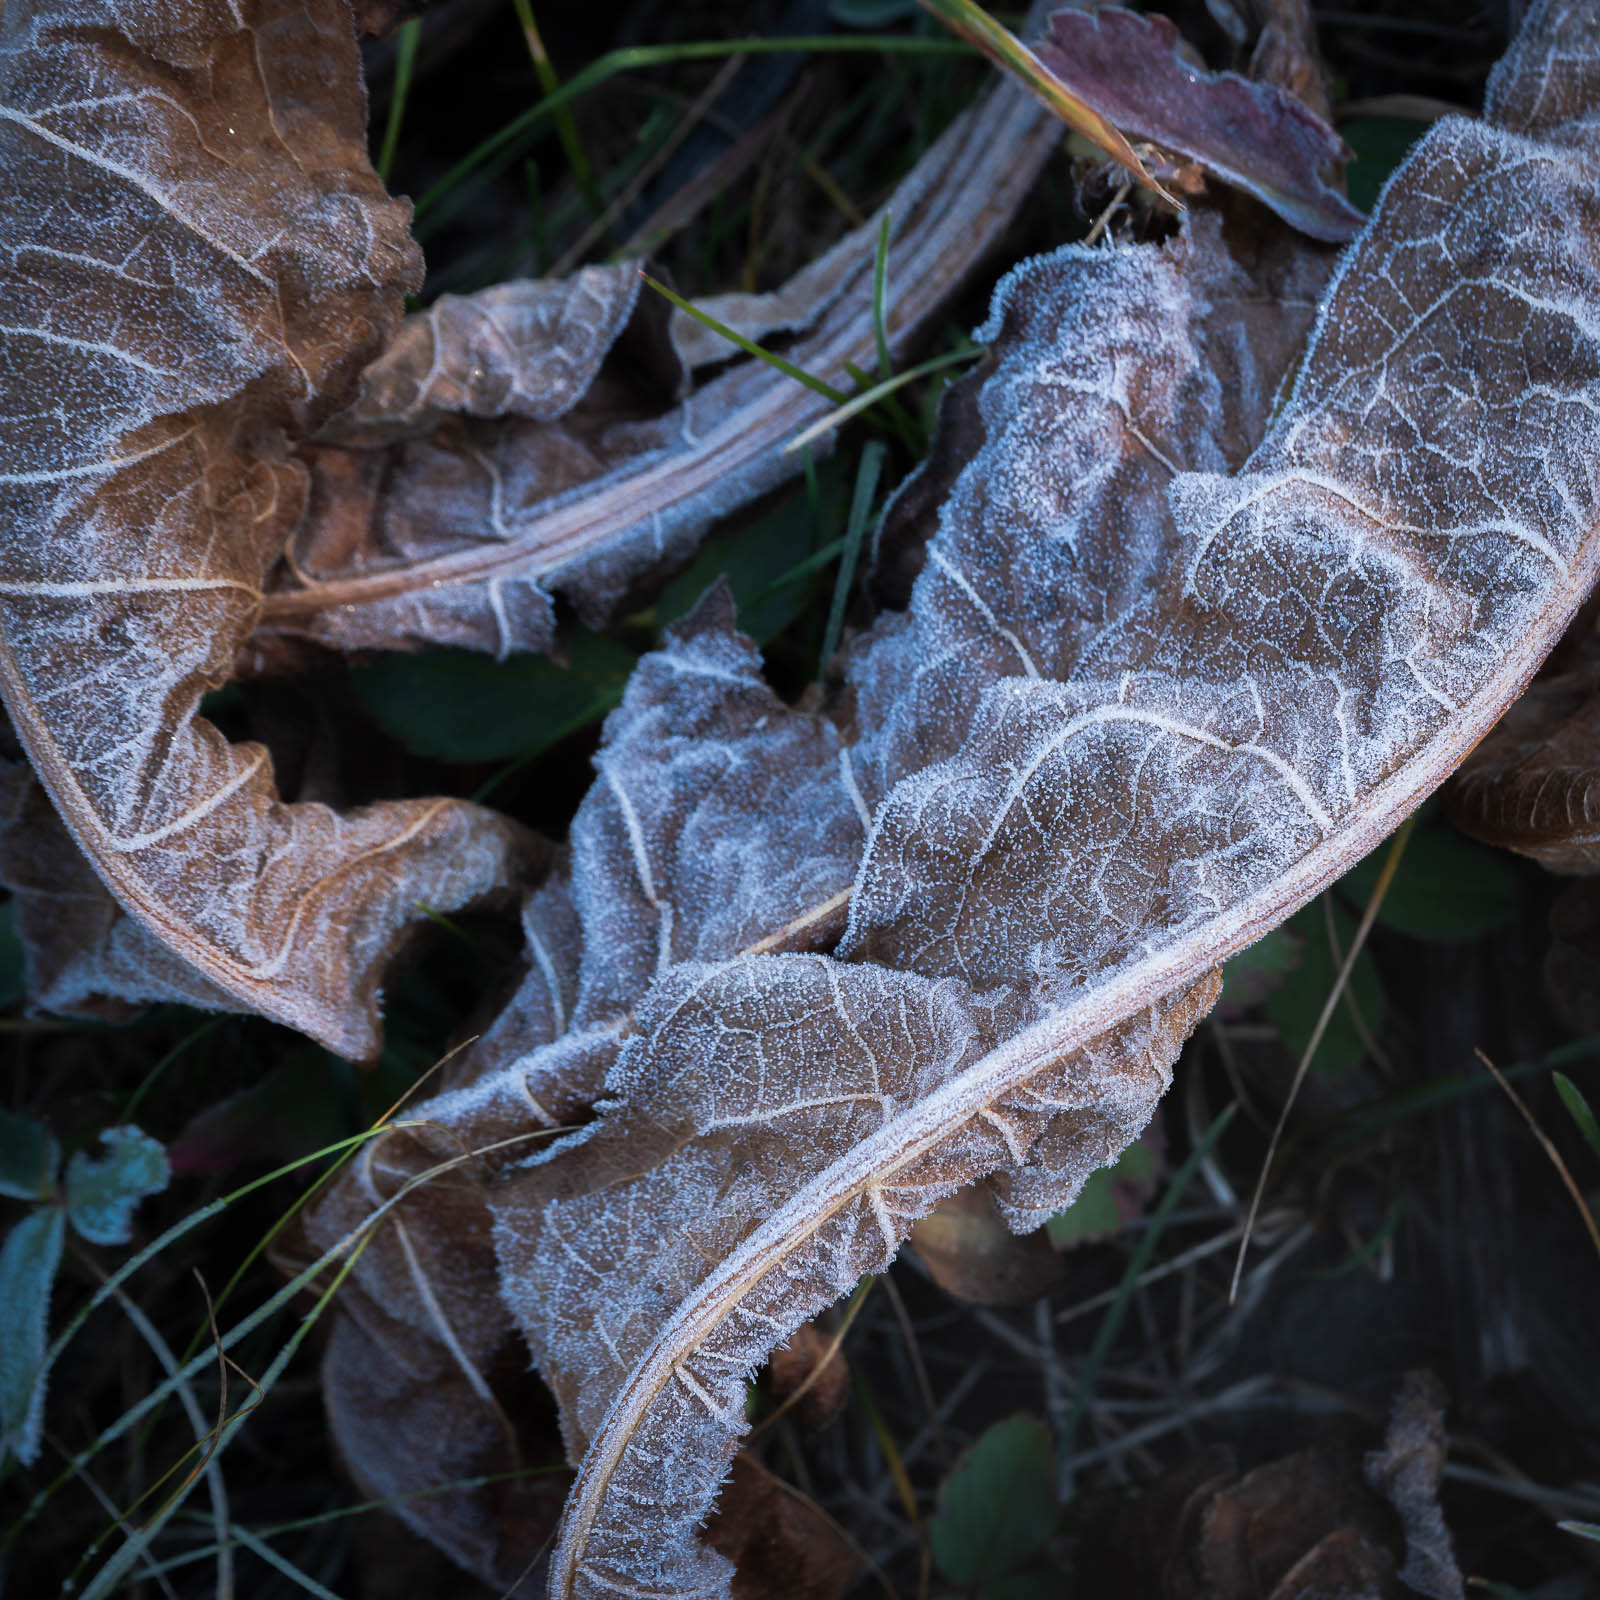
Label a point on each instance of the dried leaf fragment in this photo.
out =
(200, 261)
(528, 348)
(782, 1546)
(812, 1367)
(971, 1253)
(460, 533)
(1408, 1472)
(1534, 784)
(1255, 136)
(1303, 1527)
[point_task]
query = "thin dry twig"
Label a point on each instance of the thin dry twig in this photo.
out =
(835, 1344)
(630, 191)
(1391, 864)
(1548, 1146)
(919, 1369)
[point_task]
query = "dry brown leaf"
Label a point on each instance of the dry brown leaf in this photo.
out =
(1345, 1565)
(1287, 55)
(974, 26)
(1179, 652)
(1408, 1472)
(1260, 1537)
(199, 262)
(811, 1365)
(1304, 1527)
(461, 533)
(971, 1253)
(781, 1545)
(1254, 135)
(1534, 784)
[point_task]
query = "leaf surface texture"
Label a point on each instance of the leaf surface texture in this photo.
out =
(1206, 610)
(198, 263)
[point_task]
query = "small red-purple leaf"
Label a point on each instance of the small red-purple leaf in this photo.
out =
(1252, 135)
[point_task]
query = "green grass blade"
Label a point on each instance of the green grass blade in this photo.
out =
(277, 1530)
(913, 437)
(1362, 1125)
(1111, 1323)
(194, 1220)
(116, 1567)
(566, 124)
(194, 1037)
(788, 368)
(1392, 1219)
(1578, 1109)
(854, 406)
(813, 496)
(880, 285)
(211, 1470)
(860, 507)
(405, 61)
(193, 1365)
(801, 569)
(1392, 858)
(259, 1546)
(640, 57)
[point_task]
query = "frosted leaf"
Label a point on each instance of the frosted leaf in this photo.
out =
(724, 823)
(1181, 648)
(1337, 626)
(199, 261)
(528, 348)
(460, 534)
(103, 1191)
(83, 954)
(722, 819)
(1115, 370)
(779, 1122)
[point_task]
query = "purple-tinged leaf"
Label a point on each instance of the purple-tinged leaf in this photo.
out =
(1255, 136)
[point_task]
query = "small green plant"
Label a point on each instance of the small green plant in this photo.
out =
(97, 1195)
(996, 1512)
